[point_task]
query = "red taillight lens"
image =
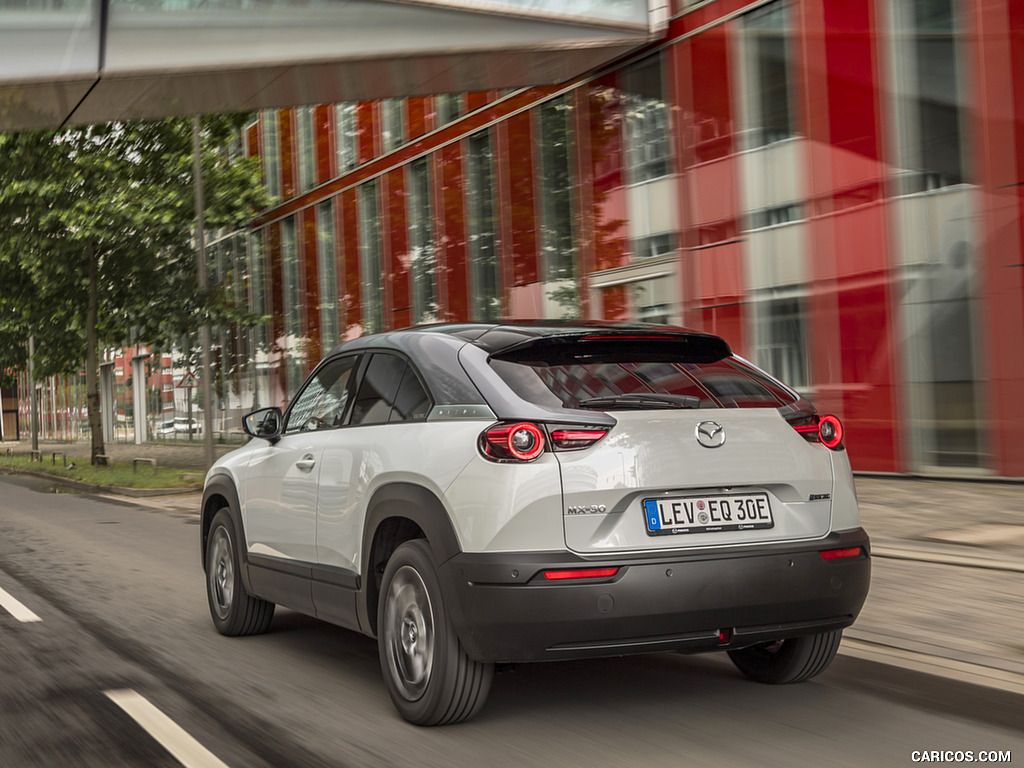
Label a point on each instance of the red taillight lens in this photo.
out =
(836, 554)
(570, 439)
(581, 573)
(513, 442)
(827, 430)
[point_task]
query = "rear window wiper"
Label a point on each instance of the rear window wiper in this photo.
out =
(650, 400)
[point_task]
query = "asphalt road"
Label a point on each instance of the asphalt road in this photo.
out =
(119, 592)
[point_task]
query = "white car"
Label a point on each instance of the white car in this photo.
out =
(475, 494)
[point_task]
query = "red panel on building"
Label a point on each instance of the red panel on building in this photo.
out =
(453, 268)
(326, 165)
(712, 89)
(352, 318)
(522, 212)
(477, 99)
(289, 156)
(311, 292)
(252, 140)
(615, 303)
(398, 251)
(416, 117)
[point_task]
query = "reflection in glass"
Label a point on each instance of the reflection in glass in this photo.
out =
(292, 305)
(646, 121)
(345, 136)
(271, 152)
(328, 276)
(306, 148)
(372, 282)
(558, 260)
(766, 67)
(421, 244)
(392, 129)
(448, 107)
(483, 229)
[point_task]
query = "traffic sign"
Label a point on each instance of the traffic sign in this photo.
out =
(188, 381)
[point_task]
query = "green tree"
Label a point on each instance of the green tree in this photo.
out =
(97, 246)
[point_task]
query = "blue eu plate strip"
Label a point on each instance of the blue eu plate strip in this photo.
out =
(653, 518)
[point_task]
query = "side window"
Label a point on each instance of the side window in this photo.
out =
(411, 402)
(321, 403)
(390, 391)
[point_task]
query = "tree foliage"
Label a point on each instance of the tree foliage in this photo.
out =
(121, 195)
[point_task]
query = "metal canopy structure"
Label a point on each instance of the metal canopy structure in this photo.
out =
(87, 61)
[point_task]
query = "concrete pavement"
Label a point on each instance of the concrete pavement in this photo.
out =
(947, 596)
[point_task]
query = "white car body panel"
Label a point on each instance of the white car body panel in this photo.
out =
(655, 454)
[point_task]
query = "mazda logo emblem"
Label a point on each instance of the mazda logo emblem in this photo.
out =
(711, 434)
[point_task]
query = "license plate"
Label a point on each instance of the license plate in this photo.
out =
(708, 514)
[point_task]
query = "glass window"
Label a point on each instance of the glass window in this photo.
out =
(555, 179)
(780, 345)
(766, 67)
(392, 131)
(675, 372)
(483, 229)
(929, 96)
(271, 154)
(646, 121)
(328, 275)
(448, 107)
(372, 281)
(422, 260)
(345, 136)
(321, 404)
(292, 304)
(306, 147)
(653, 246)
(411, 402)
(378, 390)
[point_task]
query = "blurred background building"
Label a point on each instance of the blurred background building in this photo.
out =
(834, 186)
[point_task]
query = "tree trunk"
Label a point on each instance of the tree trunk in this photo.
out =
(92, 384)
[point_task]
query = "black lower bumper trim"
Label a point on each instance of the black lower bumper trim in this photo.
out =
(654, 603)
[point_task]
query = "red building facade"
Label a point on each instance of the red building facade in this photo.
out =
(834, 187)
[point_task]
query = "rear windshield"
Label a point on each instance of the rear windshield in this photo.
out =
(629, 374)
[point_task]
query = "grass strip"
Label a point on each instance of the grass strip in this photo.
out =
(120, 475)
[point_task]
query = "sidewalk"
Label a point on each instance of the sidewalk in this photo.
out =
(947, 594)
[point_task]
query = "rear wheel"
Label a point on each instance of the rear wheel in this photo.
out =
(788, 661)
(234, 611)
(429, 676)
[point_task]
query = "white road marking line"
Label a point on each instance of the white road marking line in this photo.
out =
(171, 736)
(16, 608)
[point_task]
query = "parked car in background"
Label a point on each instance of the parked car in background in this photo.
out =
(179, 426)
(476, 494)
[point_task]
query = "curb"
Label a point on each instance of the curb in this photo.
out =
(984, 694)
(80, 485)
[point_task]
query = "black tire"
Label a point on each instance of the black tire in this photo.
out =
(788, 661)
(235, 612)
(429, 676)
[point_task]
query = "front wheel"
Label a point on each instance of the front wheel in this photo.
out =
(234, 611)
(429, 676)
(788, 661)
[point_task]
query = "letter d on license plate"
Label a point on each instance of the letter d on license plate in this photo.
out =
(708, 514)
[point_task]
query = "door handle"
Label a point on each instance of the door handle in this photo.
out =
(306, 462)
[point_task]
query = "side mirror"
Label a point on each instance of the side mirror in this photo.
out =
(265, 423)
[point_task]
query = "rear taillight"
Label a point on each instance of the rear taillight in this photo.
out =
(572, 439)
(839, 554)
(525, 441)
(827, 430)
(522, 441)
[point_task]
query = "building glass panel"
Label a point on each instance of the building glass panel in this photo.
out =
(937, 242)
(766, 47)
(647, 136)
(327, 271)
(482, 229)
(306, 148)
(292, 297)
(392, 127)
(448, 107)
(345, 136)
(422, 256)
(259, 335)
(372, 282)
(556, 187)
(271, 154)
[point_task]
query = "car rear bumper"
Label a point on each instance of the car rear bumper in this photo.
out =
(504, 608)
